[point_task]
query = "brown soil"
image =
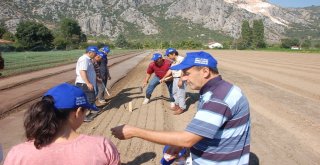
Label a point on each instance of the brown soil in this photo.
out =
(282, 88)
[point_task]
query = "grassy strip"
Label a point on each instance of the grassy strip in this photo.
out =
(22, 62)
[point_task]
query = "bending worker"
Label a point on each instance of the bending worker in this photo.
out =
(159, 67)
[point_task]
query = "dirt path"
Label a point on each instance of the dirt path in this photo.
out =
(18, 90)
(284, 94)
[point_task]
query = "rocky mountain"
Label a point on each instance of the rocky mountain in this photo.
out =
(169, 18)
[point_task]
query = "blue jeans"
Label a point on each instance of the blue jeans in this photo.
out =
(155, 82)
(91, 97)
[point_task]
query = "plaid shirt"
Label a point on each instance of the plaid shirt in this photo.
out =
(96, 66)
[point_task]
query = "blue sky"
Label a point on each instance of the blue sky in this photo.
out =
(295, 3)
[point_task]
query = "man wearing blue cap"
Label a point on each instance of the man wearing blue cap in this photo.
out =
(105, 69)
(86, 75)
(100, 86)
(159, 67)
(105, 74)
(219, 133)
(178, 86)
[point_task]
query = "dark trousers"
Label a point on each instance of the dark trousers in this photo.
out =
(90, 94)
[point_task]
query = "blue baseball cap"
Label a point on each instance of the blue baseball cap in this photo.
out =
(67, 96)
(156, 56)
(169, 51)
(196, 59)
(102, 55)
(92, 49)
(106, 49)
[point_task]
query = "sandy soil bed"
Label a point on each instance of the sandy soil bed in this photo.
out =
(284, 94)
(283, 90)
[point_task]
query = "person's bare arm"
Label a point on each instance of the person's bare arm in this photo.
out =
(146, 80)
(83, 74)
(177, 138)
(169, 73)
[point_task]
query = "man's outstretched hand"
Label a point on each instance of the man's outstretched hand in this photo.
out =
(122, 132)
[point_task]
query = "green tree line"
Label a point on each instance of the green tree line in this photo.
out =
(251, 37)
(35, 36)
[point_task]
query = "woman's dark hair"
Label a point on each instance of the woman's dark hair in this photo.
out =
(42, 121)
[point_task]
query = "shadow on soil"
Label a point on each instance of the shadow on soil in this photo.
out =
(145, 157)
(159, 98)
(125, 96)
(191, 98)
(253, 159)
(122, 98)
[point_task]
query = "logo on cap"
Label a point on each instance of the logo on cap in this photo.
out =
(201, 61)
(67, 96)
(81, 100)
(196, 59)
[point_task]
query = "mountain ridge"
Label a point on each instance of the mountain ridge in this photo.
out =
(110, 18)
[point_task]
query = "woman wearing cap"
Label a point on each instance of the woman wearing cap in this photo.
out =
(50, 128)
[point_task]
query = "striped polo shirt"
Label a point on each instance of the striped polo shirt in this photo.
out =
(96, 66)
(223, 119)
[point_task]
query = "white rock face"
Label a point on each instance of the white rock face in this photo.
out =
(144, 22)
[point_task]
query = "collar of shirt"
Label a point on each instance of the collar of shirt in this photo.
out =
(87, 56)
(210, 85)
